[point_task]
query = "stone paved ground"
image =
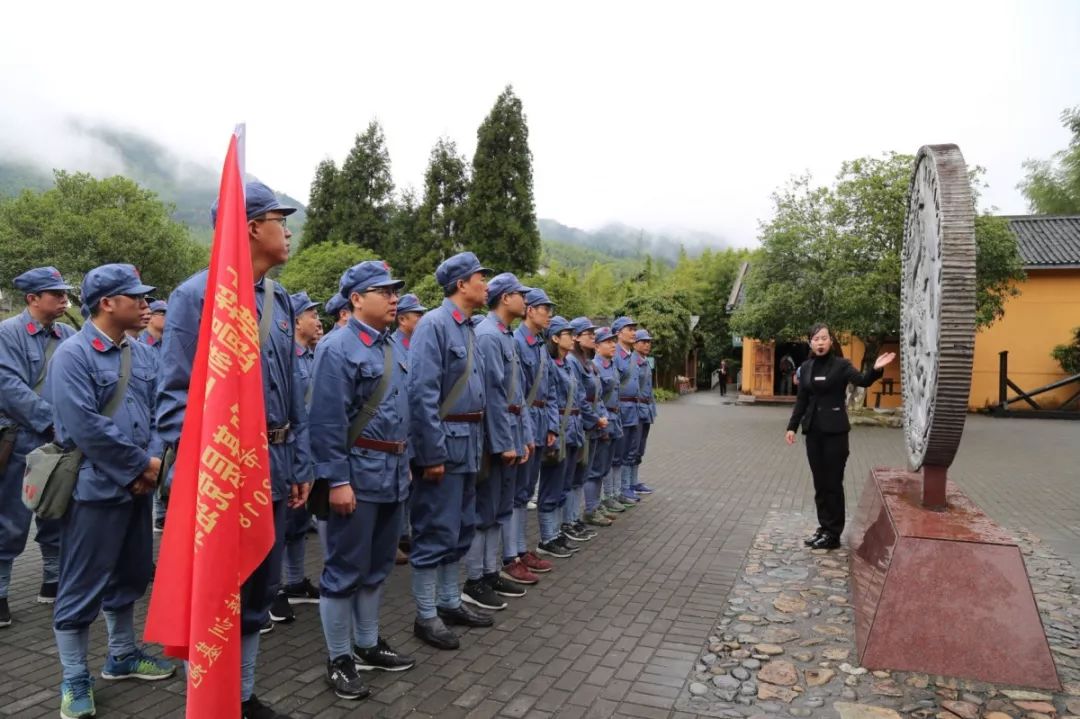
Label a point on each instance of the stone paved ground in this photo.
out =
(616, 630)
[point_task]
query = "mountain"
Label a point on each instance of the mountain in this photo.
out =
(189, 187)
(621, 241)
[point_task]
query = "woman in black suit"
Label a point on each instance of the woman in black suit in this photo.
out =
(820, 409)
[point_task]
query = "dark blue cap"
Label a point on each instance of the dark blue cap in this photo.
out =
(621, 322)
(159, 306)
(537, 296)
(367, 275)
(461, 266)
(604, 334)
(336, 304)
(409, 303)
(558, 324)
(40, 279)
(258, 199)
(109, 281)
(642, 336)
(504, 283)
(581, 324)
(476, 320)
(302, 303)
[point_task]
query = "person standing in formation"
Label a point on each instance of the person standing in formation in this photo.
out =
(593, 424)
(286, 416)
(602, 472)
(646, 407)
(446, 391)
(360, 421)
(625, 330)
(409, 312)
(28, 343)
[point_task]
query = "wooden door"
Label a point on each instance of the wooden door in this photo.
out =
(764, 355)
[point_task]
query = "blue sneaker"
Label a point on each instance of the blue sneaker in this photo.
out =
(642, 488)
(77, 698)
(629, 498)
(137, 665)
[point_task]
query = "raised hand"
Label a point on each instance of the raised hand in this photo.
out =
(884, 360)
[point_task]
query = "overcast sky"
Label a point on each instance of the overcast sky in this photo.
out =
(659, 114)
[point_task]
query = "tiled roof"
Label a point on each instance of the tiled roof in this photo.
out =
(1047, 241)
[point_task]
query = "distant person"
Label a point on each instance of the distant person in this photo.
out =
(724, 373)
(820, 410)
(787, 372)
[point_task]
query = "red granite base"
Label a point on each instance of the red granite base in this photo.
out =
(942, 592)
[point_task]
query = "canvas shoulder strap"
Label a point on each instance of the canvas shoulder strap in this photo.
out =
(122, 385)
(463, 381)
(50, 349)
(564, 420)
(371, 407)
(536, 381)
(515, 369)
(626, 376)
(267, 319)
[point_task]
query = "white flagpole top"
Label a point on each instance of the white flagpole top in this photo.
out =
(241, 151)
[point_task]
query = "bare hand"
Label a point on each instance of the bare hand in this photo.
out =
(509, 457)
(884, 360)
(789, 437)
(343, 500)
(528, 453)
(603, 423)
(435, 473)
(153, 469)
(551, 439)
(298, 494)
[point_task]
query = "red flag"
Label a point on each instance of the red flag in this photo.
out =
(221, 522)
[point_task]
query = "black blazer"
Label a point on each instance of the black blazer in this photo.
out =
(820, 405)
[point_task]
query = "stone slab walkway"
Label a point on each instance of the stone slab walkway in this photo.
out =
(618, 629)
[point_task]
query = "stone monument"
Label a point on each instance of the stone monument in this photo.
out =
(938, 587)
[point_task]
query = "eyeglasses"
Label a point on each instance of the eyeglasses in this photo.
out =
(280, 220)
(384, 291)
(135, 298)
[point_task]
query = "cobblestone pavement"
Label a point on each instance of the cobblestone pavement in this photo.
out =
(617, 629)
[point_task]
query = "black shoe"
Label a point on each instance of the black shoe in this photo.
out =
(465, 617)
(814, 537)
(826, 541)
(5, 613)
(554, 549)
(570, 532)
(564, 541)
(301, 593)
(47, 593)
(503, 587)
(382, 657)
(434, 633)
(341, 674)
(582, 528)
(478, 593)
(255, 709)
(281, 610)
(267, 627)
(159, 525)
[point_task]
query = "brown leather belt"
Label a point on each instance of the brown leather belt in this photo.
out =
(629, 399)
(570, 412)
(467, 417)
(381, 446)
(278, 435)
(539, 403)
(514, 409)
(612, 409)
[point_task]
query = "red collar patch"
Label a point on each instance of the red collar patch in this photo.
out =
(502, 327)
(150, 340)
(366, 338)
(31, 328)
(405, 341)
(530, 340)
(98, 344)
(559, 362)
(456, 314)
(299, 351)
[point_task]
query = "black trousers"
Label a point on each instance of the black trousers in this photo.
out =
(828, 455)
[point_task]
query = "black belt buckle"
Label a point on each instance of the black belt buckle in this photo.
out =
(278, 435)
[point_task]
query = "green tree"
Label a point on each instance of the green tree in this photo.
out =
(404, 228)
(320, 208)
(833, 254)
(83, 222)
(317, 269)
(441, 212)
(664, 314)
(1052, 187)
(428, 290)
(363, 202)
(500, 217)
(564, 289)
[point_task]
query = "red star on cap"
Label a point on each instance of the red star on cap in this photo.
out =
(386, 265)
(55, 273)
(137, 272)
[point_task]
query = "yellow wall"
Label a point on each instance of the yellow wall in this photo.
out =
(854, 349)
(1040, 317)
(748, 346)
